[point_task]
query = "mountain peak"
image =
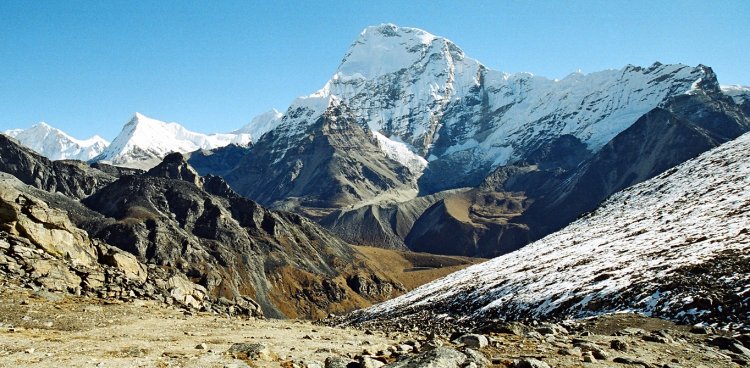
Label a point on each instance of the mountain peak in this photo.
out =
(261, 124)
(387, 48)
(144, 141)
(55, 144)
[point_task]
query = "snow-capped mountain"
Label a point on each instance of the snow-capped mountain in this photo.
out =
(261, 124)
(55, 144)
(675, 246)
(452, 121)
(423, 89)
(144, 141)
(740, 94)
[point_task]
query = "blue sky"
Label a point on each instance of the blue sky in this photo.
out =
(86, 67)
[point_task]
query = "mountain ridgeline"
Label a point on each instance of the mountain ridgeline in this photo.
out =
(509, 158)
(414, 145)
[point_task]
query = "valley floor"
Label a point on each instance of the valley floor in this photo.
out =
(40, 329)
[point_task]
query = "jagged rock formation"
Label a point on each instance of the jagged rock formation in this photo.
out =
(673, 247)
(41, 248)
(205, 246)
(423, 92)
(72, 178)
(235, 248)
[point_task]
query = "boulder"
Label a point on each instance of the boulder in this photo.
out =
(127, 263)
(440, 357)
(474, 341)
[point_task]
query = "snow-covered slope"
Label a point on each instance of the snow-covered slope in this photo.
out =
(144, 141)
(401, 153)
(55, 144)
(423, 90)
(676, 246)
(261, 124)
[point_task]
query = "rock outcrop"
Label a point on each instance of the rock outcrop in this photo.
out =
(230, 245)
(319, 159)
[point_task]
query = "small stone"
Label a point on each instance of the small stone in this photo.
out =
(701, 330)
(201, 346)
(29, 351)
(338, 362)
(370, 362)
(630, 331)
(250, 351)
(529, 363)
(619, 345)
(576, 351)
(403, 348)
(588, 357)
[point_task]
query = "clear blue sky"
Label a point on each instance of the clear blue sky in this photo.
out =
(86, 67)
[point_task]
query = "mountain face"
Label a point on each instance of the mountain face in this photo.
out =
(143, 142)
(71, 178)
(232, 246)
(55, 144)
(455, 124)
(672, 247)
(467, 119)
(554, 185)
(548, 197)
(319, 158)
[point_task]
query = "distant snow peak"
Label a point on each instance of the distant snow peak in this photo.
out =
(261, 124)
(740, 94)
(55, 144)
(144, 141)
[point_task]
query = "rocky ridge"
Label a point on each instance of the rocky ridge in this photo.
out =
(318, 159)
(196, 234)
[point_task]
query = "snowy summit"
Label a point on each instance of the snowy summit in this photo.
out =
(55, 144)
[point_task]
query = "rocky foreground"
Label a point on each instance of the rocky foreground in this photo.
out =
(43, 329)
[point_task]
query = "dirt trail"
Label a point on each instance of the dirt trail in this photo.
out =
(49, 330)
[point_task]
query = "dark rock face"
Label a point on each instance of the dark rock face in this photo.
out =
(41, 248)
(385, 225)
(181, 238)
(230, 245)
(334, 162)
(72, 178)
(473, 223)
(219, 161)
